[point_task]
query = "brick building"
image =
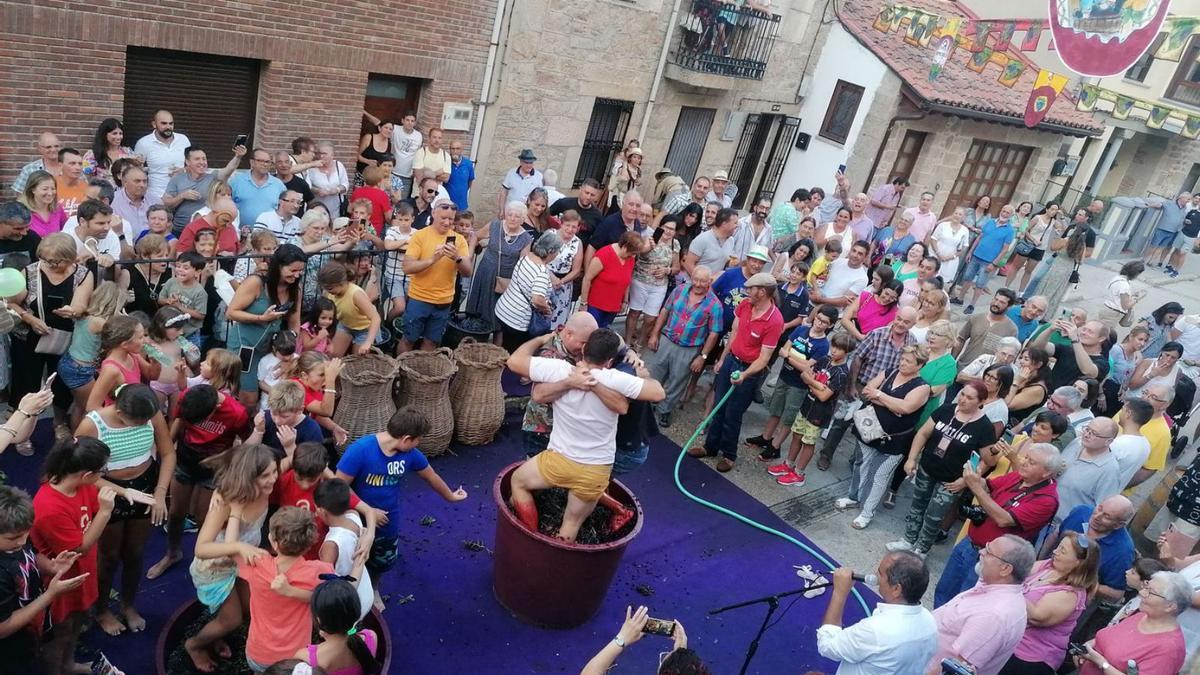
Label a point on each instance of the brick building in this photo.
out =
(270, 68)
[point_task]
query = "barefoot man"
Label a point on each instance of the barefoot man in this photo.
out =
(587, 400)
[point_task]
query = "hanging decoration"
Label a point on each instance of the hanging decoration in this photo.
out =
(979, 60)
(1046, 89)
(1191, 127)
(1011, 73)
(979, 43)
(1177, 34)
(1157, 116)
(1099, 39)
(1122, 107)
(1004, 37)
(1033, 35)
(944, 46)
(1089, 95)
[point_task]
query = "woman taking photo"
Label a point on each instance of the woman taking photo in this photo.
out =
(874, 307)
(1119, 297)
(373, 149)
(1030, 384)
(504, 242)
(1124, 357)
(1150, 637)
(897, 399)
(1056, 592)
(626, 177)
(524, 308)
(1161, 325)
(329, 181)
(950, 240)
(652, 273)
(260, 307)
(107, 147)
(935, 459)
(1071, 249)
(609, 275)
(566, 267)
(41, 198)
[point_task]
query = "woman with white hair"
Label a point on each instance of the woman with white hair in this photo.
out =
(330, 182)
(524, 308)
(1150, 637)
(315, 239)
(504, 242)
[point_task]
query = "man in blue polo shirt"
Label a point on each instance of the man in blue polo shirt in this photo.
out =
(256, 191)
(462, 175)
(997, 235)
(1104, 526)
(1166, 238)
(1028, 316)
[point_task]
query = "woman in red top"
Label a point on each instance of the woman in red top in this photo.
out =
(609, 275)
(122, 362)
(70, 513)
(381, 204)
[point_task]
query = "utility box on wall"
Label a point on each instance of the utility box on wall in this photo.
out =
(457, 116)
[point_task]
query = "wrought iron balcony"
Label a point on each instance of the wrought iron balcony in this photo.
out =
(729, 39)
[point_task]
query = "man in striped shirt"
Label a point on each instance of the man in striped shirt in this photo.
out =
(686, 331)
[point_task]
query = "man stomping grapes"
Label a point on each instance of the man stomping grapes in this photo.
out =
(587, 400)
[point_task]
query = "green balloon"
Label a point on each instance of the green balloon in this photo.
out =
(11, 282)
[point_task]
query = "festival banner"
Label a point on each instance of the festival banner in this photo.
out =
(1011, 73)
(1157, 117)
(1089, 95)
(1004, 38)
(1176, 38)
(920, 30)
(947, 27)
(899, 15)
(1046, 89)
(979, 42)
(979, 60)
(1191, 127)
(1033, 35)
(945, 46)
(883, 20)
(1122, 106)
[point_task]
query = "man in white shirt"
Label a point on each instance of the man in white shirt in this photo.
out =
(753, 230)
(164, 153)
(282, 222)
(406, 141)
(847, 278)
(923, 219)
(587, 399)
(94, 239)
(720, 190)
(520, 181)
(1131, 448)
(898, 638)
(431, 161)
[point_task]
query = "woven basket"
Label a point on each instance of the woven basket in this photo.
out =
(476, 395)
(365, 385)
(425, 385)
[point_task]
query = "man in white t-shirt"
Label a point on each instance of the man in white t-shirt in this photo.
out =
(431, 161)
(1130, 447)
(94, 238)
(164, 153)
(847, 278)
(282, 222)
(587, 399)
(406, 141)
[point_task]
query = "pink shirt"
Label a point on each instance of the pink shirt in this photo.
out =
(44, 227)
(884, 194)
(982, 625)
(1048, 644)
(872, 315)
(1155, 654)
(923, 224)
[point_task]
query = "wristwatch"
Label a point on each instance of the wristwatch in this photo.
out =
(620, 641)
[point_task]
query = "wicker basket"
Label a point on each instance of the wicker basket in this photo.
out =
(425, 385)
(365, 384)
(476, 395)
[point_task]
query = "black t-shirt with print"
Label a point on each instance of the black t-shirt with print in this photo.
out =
(952, 441)
(20, 585)
(813, 409)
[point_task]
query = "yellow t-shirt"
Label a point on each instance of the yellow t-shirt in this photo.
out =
(818, 272)
(434, 284)
(348, 313)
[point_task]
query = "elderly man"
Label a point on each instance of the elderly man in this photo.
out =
(15, 235)
(256, 190)
(1083, 357)
(285, 171)
(520, 181)
(757, 328)
(697, 195)
(1028, 316)
(48, 146)
(462, 176)
(164, 150)
(995, 238)
(923, 219)
(879, 352)
(433, 262)
(1066, 401)
(720, 192)
(982, 333)
(1092, 473)
(130, 201)
(1006, 355)
(884, 202)
(1157, 431)
(1105, 523)
(187, 191)
(1020, 502)
(567, 345)
(685, 333)
(617, 223)
(861, 224)
(282, 222)
(981, 626)
(898, 638)
(713, 248)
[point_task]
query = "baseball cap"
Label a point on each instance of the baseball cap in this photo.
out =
(759, 253)
(761, 280)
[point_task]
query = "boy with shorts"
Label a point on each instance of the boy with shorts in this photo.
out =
(297, 486)
(588, 398)
(826, 378)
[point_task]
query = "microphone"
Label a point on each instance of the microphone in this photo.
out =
(868, 579)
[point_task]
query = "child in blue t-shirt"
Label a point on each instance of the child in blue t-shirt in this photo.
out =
(374, 465)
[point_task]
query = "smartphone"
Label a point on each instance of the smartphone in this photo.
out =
(842, 168)
(1076, 649)
(50, 380)
(242, 139)
(974, 461)
(246, 355)
(659, 627)
(956, 667)
(285, 307)
(451, 239)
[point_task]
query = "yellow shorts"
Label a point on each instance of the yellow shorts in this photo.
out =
(807, 431)
(585, 481)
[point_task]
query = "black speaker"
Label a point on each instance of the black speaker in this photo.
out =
(802, 140)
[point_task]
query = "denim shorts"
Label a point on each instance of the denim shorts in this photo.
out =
(626, 461)
(75, 374)
(603, 318)
(1163, 239)
(425, 320)
(357, 337)
(976, 272)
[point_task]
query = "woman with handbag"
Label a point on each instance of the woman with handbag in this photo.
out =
(1119, 298)
(892, 404)
(955, 434)
(330, 181)
(257, 310)
(57, 291)
(524, 308)
(1071, 247)
(504, 242)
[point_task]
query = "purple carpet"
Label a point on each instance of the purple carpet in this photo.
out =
(693, 558)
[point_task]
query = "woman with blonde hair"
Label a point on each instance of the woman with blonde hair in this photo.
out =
(41, 198)
(931, 308)
(504, 241)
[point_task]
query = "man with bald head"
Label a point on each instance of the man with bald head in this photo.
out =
(164, 151)
(1092, 473)
(1027, 317)
(567, 345)
(685, 333)
(1082, 356)
(1105, 523)
(48, 146)
(627, 219)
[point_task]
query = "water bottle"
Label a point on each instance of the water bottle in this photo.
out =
(1131, 667)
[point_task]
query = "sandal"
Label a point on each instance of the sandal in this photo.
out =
(823, 463)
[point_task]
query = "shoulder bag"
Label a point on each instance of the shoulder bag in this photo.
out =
(57, 341)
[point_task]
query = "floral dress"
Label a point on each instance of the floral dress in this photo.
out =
(560, 298)
(92, 168)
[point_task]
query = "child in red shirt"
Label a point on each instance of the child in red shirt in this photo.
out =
(280, 590)
(70, 515)
(318, 374)
(373, 196)
(296, 487)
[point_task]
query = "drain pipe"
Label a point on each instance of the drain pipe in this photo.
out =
(658, 73)
(887, 135)
(489, 74)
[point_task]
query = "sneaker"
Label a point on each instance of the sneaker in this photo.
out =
(898, 545)
(770, 454)
(969, 310)
(758, 441)
(844, 503)
(791, 479)
(190, 526)
(860, 523)
(780, 469)
(664, 420)
(1174, 273)
(1169, 268)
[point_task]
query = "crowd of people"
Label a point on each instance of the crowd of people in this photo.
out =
(183, 327)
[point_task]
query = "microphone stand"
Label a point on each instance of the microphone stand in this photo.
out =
(772, 602)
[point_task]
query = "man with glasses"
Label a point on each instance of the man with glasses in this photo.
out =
(285, 171)
(422, 203)
(1157, 431)
(1084, 355)
(1092, 473)
(1066, 401)
(48, 146)
(981, 626)
(163, 150)
(1105, 524)
(256, 190)
(282, 222)
(432, 262)
(1020, 502)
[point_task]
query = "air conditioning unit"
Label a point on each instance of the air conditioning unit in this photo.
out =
(457, 116)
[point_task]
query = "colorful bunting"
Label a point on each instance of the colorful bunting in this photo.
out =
(979, 60)
(1045, 90)
(1012, 72)
(1122, 107)
(920, 30)
(945, 46)
(1157, 117)
(1191, 127)
(1176, 38)
(1004, 39)
(979, 43)
(1033, 35)
(1089, 95)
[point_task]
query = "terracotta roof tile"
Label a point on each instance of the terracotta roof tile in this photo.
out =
(957, 86)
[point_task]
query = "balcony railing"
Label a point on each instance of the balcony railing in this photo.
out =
(734, 40)
(1185, 91)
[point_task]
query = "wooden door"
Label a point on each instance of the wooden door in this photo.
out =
(989, 169)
